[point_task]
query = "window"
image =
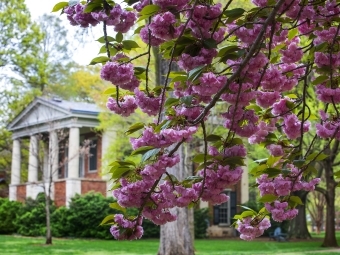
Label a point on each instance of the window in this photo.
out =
(81, 165)
(93, 156)
(223, 213)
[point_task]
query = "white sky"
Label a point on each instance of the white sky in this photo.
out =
(82, 54)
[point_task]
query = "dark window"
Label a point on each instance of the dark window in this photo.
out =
(93, 156)
(224, 213)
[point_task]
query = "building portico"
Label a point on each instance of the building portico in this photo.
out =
(64, 151)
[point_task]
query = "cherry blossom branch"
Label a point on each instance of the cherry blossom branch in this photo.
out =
(245, 61)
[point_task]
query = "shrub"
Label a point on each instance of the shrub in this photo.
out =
(85, 214)
(31, 219)
(201, 222)
(8, 214)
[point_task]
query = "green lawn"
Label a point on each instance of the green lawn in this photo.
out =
(12, 245)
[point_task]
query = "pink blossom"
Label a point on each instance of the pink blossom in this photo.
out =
(126, 106)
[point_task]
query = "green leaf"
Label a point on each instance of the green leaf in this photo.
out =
(337, 174)
(209, 43)
(320, 79)
(125, 163)
(264, 211)
(247, 214)
(272, 160)
(322, 156)
(135, 127)
(139, 70)
(292, 33)
(97, 60)
(272, 172)
(227, 49)
(299, 162)
(150, 154)
(238, 217)
(187, 100)
(246, 208)
(109, 39)
(296, 200)
(108, 220)
(119, 171)
(131, 2)
(234, 13)
(171, 102)
(142, 150)
(129, 44)
(179, 78)
(268, 198)
(110, 91)
(195, 73)
(171, 177)
(92, 6)
(148, 11)
(258, 170)
(59, 6)
(214, 138)
(199, 158)
(116, 206)
(119, 37)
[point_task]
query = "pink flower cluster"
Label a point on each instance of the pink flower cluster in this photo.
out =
(250, 228)
(76, 16)
(283, 185)
(118, 74)
(280, 211)
(125, 106)
(125, 229)
(164, 138)
(148, 104)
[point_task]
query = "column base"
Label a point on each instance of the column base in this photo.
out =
(32, 190)
(73, 187)
(13, 192)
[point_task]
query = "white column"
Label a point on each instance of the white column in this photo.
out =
(73, 153)
(54, 155)
(15, 170)
(46, 167)
(33, 160)
(16, 162)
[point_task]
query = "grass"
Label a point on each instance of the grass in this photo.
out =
(13, 245)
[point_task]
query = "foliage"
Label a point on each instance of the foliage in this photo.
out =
(201, 222)
(8, 214)
(31, 218)
(258, 68)
(83, 216)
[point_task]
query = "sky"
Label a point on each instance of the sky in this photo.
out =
(84, 53)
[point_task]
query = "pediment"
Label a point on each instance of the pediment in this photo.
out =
(36, 113)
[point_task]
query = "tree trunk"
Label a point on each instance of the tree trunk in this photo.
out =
(48, 219)
(330, 238)
(176, 237)
(298, 226)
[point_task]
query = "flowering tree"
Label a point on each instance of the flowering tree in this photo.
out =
(259, 64)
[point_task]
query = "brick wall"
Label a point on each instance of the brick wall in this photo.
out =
(60, 193)
(21, 192)
(93, 185)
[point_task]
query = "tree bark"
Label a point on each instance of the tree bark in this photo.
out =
(176, 237)
(298, 226)
(48, 219)
(330, 238)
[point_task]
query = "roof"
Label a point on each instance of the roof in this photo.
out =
(73, 107)
(41, 113)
